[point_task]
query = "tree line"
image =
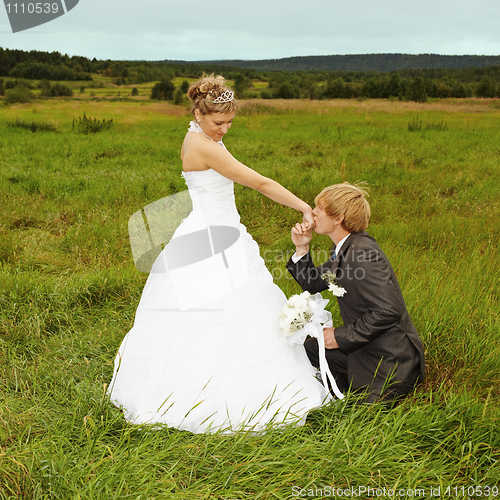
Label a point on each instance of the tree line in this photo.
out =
(407, 84)
(366, 62)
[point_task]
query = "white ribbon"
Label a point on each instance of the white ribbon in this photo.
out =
(320, 319)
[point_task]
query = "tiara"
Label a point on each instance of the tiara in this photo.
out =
(226, 96)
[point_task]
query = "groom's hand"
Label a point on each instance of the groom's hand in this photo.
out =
(301, 237)
(329, 335)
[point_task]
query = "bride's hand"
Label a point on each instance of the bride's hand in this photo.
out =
(308, 219)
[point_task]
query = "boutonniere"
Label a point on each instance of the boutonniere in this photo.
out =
(333, 286)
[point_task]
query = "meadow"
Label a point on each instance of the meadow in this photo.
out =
(69, 290)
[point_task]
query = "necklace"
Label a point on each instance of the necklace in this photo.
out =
(206, 135)
(195, 127)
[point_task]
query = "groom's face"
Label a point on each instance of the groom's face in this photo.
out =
(325, 224)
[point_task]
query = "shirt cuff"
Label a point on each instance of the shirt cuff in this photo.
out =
(295, 259)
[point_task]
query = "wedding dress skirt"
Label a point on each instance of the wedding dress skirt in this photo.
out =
(206, 352)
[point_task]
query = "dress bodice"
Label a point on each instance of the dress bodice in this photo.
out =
(212, 194)
(209, 189)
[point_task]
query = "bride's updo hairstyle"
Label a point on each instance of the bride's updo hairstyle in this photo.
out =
(206, 90)
(348, 201)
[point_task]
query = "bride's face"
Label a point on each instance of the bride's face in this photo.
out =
(215, 125)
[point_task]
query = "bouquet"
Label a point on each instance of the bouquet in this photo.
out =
(305, 315)
(296, 314)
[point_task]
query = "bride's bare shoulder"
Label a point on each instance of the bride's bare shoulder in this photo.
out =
(198, 143)
(195, 140)
(194, 152)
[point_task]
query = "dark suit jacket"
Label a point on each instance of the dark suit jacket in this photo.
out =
(378, 336)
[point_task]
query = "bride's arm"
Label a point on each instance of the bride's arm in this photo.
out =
(223, 162)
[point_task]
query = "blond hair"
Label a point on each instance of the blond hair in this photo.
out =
(203, 92)
(348, 201)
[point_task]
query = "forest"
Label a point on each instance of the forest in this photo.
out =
(367, 62)
(451, 80)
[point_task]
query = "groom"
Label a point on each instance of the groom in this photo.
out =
(377, 351)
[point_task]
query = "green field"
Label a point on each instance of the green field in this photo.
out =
(102, 87)
(69, 289)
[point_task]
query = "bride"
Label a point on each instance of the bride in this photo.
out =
(206, 353)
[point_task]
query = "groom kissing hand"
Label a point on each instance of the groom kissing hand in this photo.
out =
(378, 350)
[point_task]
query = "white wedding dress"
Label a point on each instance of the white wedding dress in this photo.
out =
(206, 352)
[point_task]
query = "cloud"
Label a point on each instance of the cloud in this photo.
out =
(263, 29)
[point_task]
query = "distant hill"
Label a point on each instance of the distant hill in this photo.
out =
(362, 62)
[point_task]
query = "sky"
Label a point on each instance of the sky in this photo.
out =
(195, 30)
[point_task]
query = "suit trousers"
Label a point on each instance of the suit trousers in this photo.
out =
(338, 364)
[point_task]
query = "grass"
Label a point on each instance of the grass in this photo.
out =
(68, 293)
(34, 126)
